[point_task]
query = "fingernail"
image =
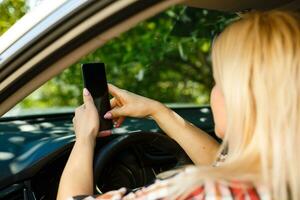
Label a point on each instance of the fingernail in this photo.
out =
(105, 133)
(108, 115)
(122, 190)
(85, 92)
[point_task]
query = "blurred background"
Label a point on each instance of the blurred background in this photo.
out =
(166, 57)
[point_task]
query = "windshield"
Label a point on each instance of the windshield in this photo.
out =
(166, 58)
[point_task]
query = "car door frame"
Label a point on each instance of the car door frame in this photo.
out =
(40, 63)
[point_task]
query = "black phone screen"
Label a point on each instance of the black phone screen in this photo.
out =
(94, 79)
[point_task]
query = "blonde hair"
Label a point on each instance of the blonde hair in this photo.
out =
(256, 63)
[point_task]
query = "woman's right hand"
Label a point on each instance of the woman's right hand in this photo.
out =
(125, 103)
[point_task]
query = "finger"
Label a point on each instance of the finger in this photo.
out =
(115, 120)
(115, 112)
(119, 122)
(113, 102)
(105, 133)
(87, 98)
(113, 90)
(78, 109)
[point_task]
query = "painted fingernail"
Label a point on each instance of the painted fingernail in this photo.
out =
(108, 115)
(122, 190)
(85, 92)
(105, 133)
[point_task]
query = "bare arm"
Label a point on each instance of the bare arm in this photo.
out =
(200, 146)
(77, 177)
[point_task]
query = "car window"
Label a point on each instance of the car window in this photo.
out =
(166, 58)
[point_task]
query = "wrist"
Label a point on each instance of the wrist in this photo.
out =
(157, 109)
(86, 141)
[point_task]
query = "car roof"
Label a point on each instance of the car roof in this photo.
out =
(28, 21)
(86, 28)
(59, 8)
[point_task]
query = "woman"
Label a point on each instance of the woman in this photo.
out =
(256, 108)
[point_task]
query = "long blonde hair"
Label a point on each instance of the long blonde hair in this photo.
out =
(256, 63)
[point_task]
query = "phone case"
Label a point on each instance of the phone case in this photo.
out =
(94, 79)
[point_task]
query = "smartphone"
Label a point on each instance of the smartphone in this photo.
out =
(94, 79)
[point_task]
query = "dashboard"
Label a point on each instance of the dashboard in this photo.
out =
(34, 150)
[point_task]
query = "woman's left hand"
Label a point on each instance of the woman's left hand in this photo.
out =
(86, 120)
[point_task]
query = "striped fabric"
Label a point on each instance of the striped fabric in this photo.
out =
(207, 191)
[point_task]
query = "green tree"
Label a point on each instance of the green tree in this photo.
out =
(166, 58)
(10, 12)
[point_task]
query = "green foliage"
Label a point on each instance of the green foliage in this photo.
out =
(166, 58)
(10, 12)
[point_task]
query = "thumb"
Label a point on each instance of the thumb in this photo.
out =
(87, 98)
(115, 113)
(113, 90)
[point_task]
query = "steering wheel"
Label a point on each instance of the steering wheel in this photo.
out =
(132, 160)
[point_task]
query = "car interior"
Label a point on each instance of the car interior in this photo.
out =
(35, 143)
